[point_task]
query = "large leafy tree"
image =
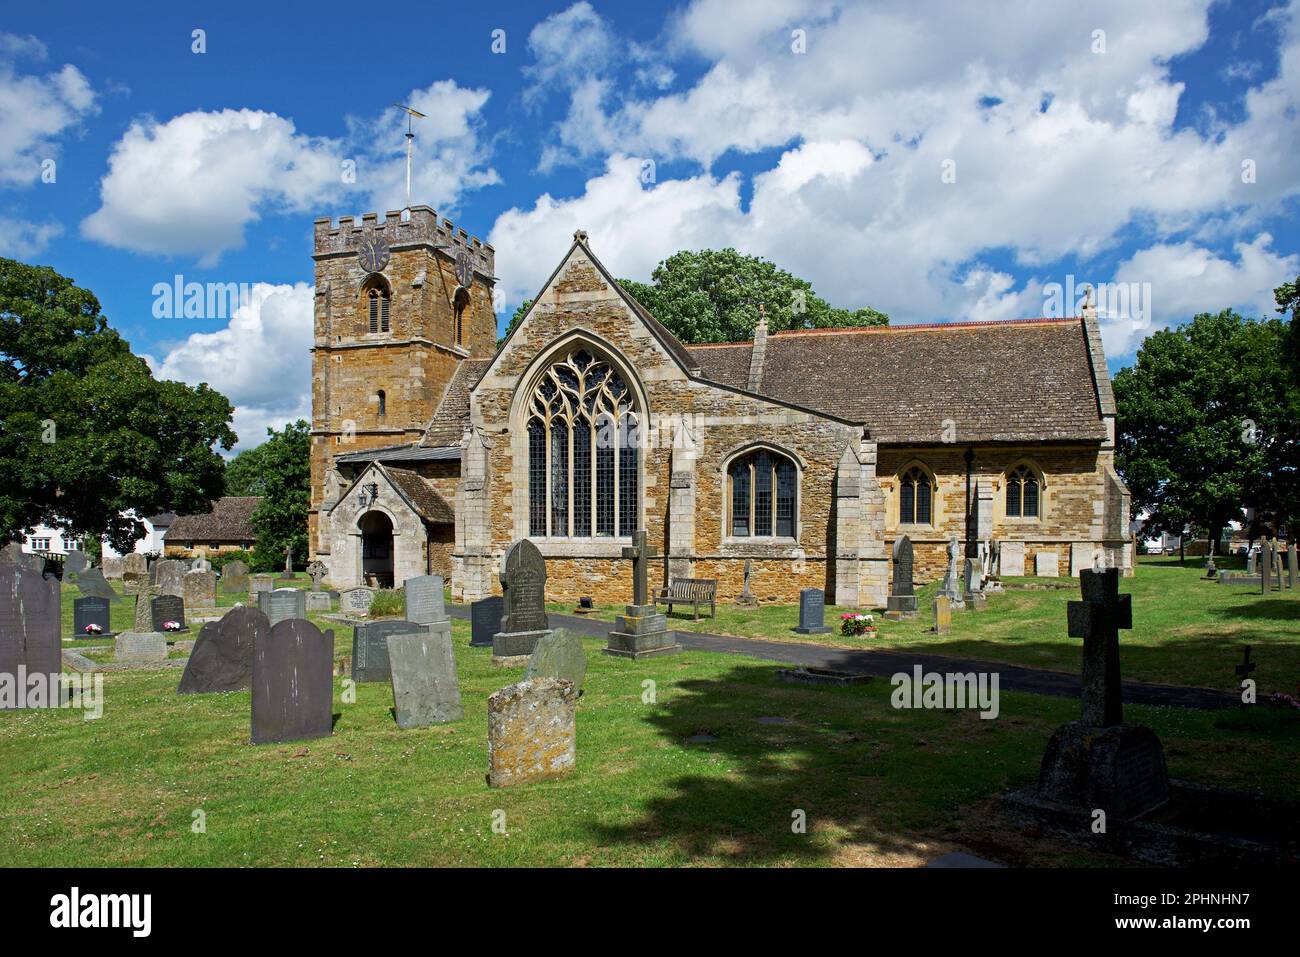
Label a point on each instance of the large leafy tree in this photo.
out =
(283, 463)
(1203, 428)
(246, 473)
(713, 295)
(87, 434)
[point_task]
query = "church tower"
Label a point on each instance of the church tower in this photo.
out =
(399, 304)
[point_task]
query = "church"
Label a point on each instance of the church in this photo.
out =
(802, 455)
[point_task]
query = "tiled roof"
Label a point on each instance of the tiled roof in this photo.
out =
(231, 520)
(431, 506)
(448, 423)
(410, 452)
(727, 363)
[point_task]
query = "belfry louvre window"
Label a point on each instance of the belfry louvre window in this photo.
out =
(915, 497)
(378, 304)
(1023, 487)
(583, 463)
(763, 495)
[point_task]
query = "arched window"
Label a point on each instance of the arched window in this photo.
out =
(383, 403)
(462, 308)
(1023, 488)
(377, 305)
(583, 463)
(763, 493)
(915, 497)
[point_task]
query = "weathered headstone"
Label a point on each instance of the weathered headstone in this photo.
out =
(91, 610)
(170, 577)
(1266, 566)
(370, 648)
(812, 612)
(222, 659)
(282, 604)
(901, 602)
(75, 562)
(29, 633)
(143, 618)
(532, 731)
(1082, 555)
(234, 578)
(168, 608)
(134, 582)
(425, 687)
(485, 620)
(92, 584)
(258, 584)
(152, 570)
(523, 586)
(747, 599)
(1291, 570)
(1047, 564)
(1097, 761)
(317, 571)
(135, 563)
(293, 683)
(643, 631)
(140, 649)
(1012, 558)
(559, 655)
(951, 585)
(424, 599)
(942, 615)
(1250, 560)
(287, 574)
(111, 566)
(356, 601)
(199, 590)
(319, 601)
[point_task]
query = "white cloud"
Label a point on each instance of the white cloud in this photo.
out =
(36, 111)
(260, 361)
(20, 239)
(567, 47)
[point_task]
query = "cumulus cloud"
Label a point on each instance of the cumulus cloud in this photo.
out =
(37, 110)
(260, 360)
(20, 239)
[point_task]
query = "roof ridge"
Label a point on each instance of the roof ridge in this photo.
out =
(912, 326)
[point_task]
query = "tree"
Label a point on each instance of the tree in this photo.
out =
(713, 295)
(246, 473)
(1200, 430)
(1288, 299)
(87, 434)
(280, 519)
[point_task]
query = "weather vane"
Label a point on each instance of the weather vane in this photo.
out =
(410, 137)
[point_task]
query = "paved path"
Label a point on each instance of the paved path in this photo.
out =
(871, 662)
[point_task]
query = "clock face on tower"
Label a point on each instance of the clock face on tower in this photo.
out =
(464, 269)
(373, 254)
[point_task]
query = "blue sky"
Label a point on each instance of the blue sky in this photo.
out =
(944, 161)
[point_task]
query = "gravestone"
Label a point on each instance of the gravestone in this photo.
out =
(287, 574)
(143, 618)
(1098, 761)
(747, 599)
(222, 659)
(169, 577)
(942, 615)
(370, 648)
(425, 688)
(1291, 570)
(532, 731)
(356, 601)
(75, 562)
(1250, 561)
(133, 582)
(643, 631)
(135, 564)
(319, 601)
(234, 578)
(200, 564)
(258, 584)
(168, 608)
(1266, 567)
(1047, 564)
(293, 683)
(29, 631)
(282, 604)
(92, 584)
(559, 655)
(91, 610)
(901, 602)
(1011, 559)
(199, 590)
(812, 612)
(950, 586)
(151, 565)
(144, 645)
(424, 599)
(317, 571)
(1082, 555)
(112, 567)
(523, 587)
(485, 620)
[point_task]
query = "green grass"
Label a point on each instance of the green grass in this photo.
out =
(1186, 630)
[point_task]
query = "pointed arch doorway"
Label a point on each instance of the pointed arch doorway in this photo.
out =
(376, 549)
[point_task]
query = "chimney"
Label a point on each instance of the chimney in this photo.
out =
(759, 353)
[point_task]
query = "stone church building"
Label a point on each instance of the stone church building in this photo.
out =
(805, 452)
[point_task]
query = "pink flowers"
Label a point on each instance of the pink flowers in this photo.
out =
(855, 624)
(171, 626)
(93, 629)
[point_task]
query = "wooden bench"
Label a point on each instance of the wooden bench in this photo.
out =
(692, 591)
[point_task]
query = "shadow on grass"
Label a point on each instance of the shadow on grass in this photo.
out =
(1281, 609)
(839, 755)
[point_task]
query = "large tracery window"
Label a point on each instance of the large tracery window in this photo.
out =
(763, 492)
(582, 451)
(915, 497)
(1023, 486)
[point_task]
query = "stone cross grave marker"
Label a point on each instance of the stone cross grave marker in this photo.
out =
(559, 655)
(640, 552)
(485, 620)
(293, 683)
(532, 731)
(287, 574)
(643, 630)
(1244, 670)
(950, 586)
(425, 688)
(222, 659)
(523, 586)
(424, 599)
(317, 572)
(234, 578)
(29, 627)
(281, 604)
(142, 623)
(91, 610)
(812, 612)
(167, 608)
(1097, 619)
(747, 598)
(370, 660)
(92, 584)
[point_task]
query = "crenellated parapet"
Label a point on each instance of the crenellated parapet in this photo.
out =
(403, 229)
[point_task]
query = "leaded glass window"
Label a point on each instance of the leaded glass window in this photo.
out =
(764, 492)
(915, 497)
(588, 479)
(1022, 493)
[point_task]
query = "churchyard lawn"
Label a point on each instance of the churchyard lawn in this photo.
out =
(878, 785)
(1186, 630)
